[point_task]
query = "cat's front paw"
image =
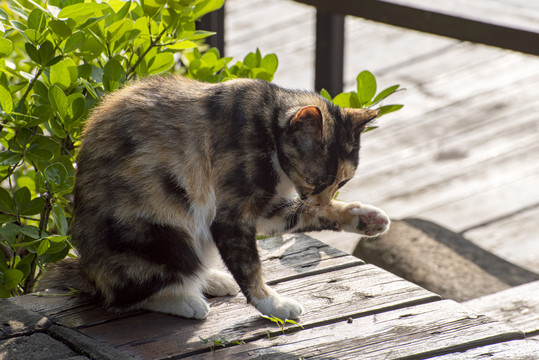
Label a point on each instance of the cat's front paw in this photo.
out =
(367, 220)
(278, 306)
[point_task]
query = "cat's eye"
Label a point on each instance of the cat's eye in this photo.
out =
(341, 184)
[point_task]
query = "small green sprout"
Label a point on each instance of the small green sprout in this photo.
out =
(222, 342)
(280, 322)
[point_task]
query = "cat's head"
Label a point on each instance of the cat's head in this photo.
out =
(319, 149)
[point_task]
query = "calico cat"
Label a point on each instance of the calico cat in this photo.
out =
(172, 172)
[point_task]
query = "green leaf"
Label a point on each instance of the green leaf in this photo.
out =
(6, 202)
(270, 63)
(44, 245)
(389, 109)
(41, 114)
(250, 60)
(46, 52)
(6, 47)
(160, 63)
(385, 93)
(10, 232)
(343, 100)
(6, 101)
(12, 278)
(3, 15)
(22, 197)
(32, 51)
(123, 11)
(182, 45)
(37, 20)
(56, 252)
(113, 75)
(58, 100)
(18, 25)
(151, 7)
(201, 34)
(81, 12)
(207, 6)
(34, 207)
(325, 94)
(117, 30)
(77, 106)
(57, 238)
(60, 220)
(9, 158)
(24, 264)
(30, 231)
(35, 154)
(75, 41)
(55, 174)
(64, 73)
(60, 28)
(366, 87)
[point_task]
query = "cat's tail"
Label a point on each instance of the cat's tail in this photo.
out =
(65, 275)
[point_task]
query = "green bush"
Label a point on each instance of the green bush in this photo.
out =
(57, 59)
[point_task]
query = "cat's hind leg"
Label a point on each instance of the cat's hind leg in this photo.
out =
(220, 283)
(182, 299)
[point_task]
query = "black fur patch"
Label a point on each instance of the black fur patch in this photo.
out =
(157, 243)
(237, 246)
(172, 187)
(131, 292)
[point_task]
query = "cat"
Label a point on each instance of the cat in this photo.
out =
(172, 172)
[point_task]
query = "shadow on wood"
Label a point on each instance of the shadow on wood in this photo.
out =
(440, 260)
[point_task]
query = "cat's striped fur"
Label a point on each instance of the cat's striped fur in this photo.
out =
(171, 169)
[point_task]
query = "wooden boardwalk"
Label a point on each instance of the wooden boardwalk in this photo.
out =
(353, 311)
(464, 151)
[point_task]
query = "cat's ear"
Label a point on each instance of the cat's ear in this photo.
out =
(361, 117)
(308, 119)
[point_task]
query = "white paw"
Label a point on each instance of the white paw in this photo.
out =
(189, 306)
(278, 306)
(367, 220)
(220, 283)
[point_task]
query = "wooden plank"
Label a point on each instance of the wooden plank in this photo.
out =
(481, 28)
(516, 349)
(517, 307)
(417, 332)
(491, 203)
(327, 297)
(384, 50)
(70, 311)
(520, 228)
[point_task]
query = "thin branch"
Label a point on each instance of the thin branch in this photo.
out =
(139, 60)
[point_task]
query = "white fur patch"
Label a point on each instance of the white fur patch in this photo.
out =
(220, 283)
(278, 306)
(184, 300)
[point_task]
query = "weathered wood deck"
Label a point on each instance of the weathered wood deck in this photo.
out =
(463, 152)
(353, 311)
